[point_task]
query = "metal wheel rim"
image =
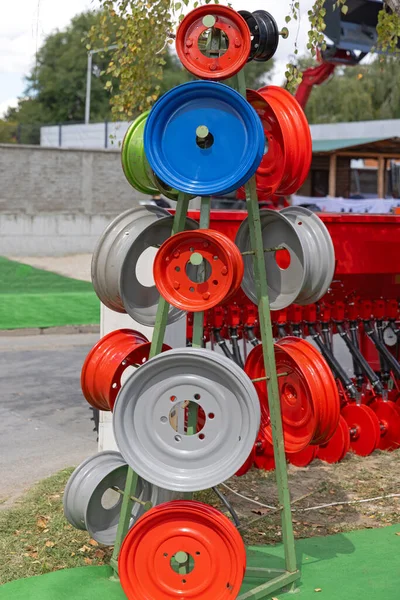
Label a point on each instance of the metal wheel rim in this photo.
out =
(139, 301)
(204, 534)
(84, 480)
(236, 30)
(283, 285)
(172, 148)
(220, 256)
(254, 31)
(133, 158)
(182, 462)
(112, 247)
(319, 253)
(85, 488)
(268, 28)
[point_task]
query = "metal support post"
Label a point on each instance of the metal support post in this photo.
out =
(264, 312)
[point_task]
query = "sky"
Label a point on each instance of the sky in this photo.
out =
(24, 25)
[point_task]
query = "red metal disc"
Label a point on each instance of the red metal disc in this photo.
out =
(362, 428)
(107, 360)
(296, 137)
(271, 170)
(298, 418)
(182, 549)
(176, 277)
(303, 458)
(326, 401)
(389, 420)
(335, 450)
(264, 456)
(234, 29)
(247, 465)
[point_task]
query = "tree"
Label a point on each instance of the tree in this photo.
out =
(144, 29)
(359, 93)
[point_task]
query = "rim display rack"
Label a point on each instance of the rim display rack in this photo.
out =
(277, 579)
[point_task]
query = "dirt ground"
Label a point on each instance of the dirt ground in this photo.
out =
(355, 478)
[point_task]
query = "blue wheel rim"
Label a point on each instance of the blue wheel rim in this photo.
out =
(172, 147)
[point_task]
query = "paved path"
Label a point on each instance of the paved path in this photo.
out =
(76, 266)
(44, 420)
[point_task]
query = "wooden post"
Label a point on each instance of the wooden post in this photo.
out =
(381, 177)
(332, 175)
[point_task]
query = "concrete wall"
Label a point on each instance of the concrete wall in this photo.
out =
(58, 201)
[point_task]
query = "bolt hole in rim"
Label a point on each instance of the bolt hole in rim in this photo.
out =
(186, 417)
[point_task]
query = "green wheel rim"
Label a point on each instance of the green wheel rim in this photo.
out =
(133, 158)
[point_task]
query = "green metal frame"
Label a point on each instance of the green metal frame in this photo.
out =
(280, 578)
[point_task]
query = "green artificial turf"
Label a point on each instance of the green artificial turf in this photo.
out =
(361, 565)
(31, 297)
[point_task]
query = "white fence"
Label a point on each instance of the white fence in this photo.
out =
(96, 135)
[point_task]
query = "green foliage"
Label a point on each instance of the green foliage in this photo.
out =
(8, 132)
(358, 93)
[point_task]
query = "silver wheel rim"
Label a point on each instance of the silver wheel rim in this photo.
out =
(141, 302)
(83, 495)
(112, 247)
(319, 253)
(166, 456)
(284, 285)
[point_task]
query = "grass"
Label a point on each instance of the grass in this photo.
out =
(35, 538)
(31, 297)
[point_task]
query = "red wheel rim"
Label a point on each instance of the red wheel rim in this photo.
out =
(325, 394)
(362, 428)
(298, 418)
(303, 458)
(347, 440)
(271, 170)
(192, 529)
(335, 450)
(172, 269)
(247, 465)
(389, 421)
(106, 362)
(296, 137)
(231, 24)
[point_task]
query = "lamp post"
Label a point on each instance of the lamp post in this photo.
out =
(89, 78)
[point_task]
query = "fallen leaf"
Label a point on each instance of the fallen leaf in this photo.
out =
(85, 549)
(397, 533)
(49, 544)
(42, 522)
(87, 561)
(99, 553)
(317, 590)
(72, 553)
(93, 543)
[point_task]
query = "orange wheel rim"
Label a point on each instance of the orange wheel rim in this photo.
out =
(177, 264)
(296, 136)
(106, 362)
(326, 399)
(271, 170)
(185, 536)
(298, 418)
(231, 24)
